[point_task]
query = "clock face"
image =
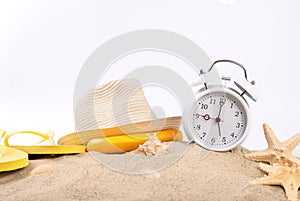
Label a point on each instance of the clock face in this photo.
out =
(219, 120)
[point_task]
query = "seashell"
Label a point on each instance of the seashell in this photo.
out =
(153, 146)
(43, 169)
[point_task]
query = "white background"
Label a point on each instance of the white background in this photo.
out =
(43, 45)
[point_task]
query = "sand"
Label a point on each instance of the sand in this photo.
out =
(220, 176)
(136, 162)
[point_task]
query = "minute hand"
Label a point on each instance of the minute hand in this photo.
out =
(218, 118)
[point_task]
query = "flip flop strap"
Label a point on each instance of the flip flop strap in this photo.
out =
(2, 133)
(49, 136)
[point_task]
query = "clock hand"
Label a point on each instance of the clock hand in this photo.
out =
(207, 117)
(218, 118)
(220, 134)
(221, 105)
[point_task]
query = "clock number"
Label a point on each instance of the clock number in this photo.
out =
(203, 135)
(232, 135)
(213, 140)
(198, 127)
(238, 125)
(236, 114)
(224, 139)
(222, 101)
(231, 105)
(212, 101)
(204, 106)
(197, 116)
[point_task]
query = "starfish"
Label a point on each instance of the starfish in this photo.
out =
(277, 152)
(281, 174)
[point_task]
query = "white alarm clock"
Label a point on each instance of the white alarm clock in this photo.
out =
(219, 118)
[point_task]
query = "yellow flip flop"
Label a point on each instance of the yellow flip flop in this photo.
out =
(53, 148)
(11, 159)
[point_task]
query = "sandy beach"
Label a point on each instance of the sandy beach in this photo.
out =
(220, 176)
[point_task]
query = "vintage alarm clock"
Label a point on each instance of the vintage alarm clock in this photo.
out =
(219, 118)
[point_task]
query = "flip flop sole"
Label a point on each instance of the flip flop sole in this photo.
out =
(12, 159)
(52, 149)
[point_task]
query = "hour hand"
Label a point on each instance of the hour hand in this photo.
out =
(208, 117)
